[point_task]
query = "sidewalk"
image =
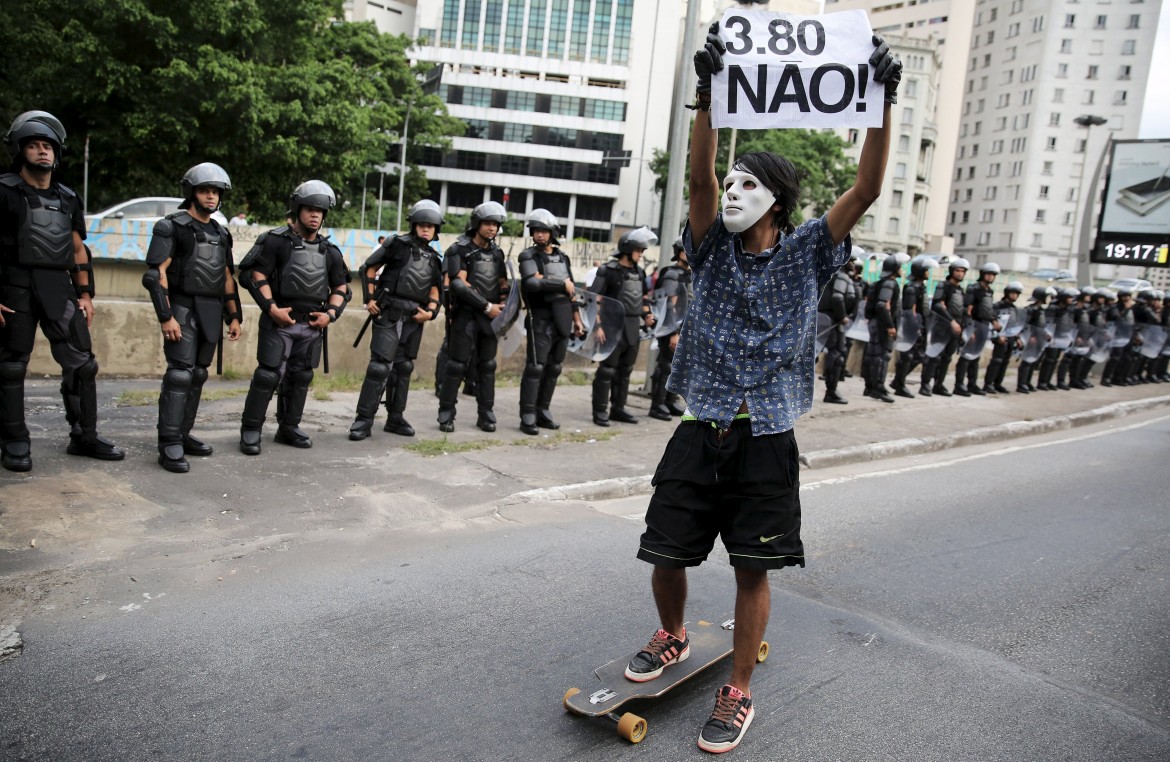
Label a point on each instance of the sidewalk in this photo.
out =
(581, 460)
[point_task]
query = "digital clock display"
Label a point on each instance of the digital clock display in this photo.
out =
(1131, 253)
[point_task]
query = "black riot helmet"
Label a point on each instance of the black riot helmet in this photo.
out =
(543, 219)
(426, 212)
(891, 266)
(205, 175)
(636, 240)
(920, 267)
(489, 211)
(1069, 293)
(312, 193)
(34, 124)
(1040, 294)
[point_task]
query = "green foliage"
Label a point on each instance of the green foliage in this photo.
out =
(276, 91)
(825, 171)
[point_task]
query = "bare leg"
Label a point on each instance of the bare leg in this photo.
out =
(670, 595)
(753, 604)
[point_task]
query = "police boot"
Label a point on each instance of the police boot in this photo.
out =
(548, 385)
(373, 386)
(1047, 367)
(927, 377)
(485, 397)
(618, 396)
(602, 382)
(973, 379)
(961, 378)
(1024, 378)
(658, 409)
(90, 444)
(172, 405)
(290, 406)
(193, 445)
(397, 391)
(264, 382)
(940, 375)
(990, 376)
(446, 419)
(485, 420)
(529, 391)
(1062, 374)
(899, 384)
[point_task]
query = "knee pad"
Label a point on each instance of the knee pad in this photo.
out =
(553, 369)
(488, 366)
(404, 368)
(606, 373)
(300, 378)
(265, 379)
(12, 371)
(198, 375)
(88, 370)
(177, 377)
(456, 369)
(534, 370)
(378, 370)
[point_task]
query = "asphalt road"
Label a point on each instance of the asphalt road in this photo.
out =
(995, 603)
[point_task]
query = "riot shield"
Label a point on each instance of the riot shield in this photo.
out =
(1122, 333)
(1083, 343)
(1101, 343)
(1012, 323)
(859, 328)
(909, 328)
(513, 338)
(939, 336)
(669, 307)
(1036, 340)
(825, 326)
(511, 311)
(1153, 340)
(974, 340)
(605, 321)
(1063, 332)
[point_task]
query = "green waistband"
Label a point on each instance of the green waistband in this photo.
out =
(738, 417)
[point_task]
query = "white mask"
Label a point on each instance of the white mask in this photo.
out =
(745, 200)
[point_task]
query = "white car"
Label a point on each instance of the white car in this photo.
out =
(1132, 285)
(147, 209)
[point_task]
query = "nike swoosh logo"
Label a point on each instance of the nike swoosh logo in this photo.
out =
(773, 537)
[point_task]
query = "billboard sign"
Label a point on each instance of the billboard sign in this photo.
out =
(1134, 225)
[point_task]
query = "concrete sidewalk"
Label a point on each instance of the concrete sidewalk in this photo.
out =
(580, 461)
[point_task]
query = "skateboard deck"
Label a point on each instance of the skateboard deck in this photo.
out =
(710, 643)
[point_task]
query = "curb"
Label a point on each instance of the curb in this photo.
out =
(626, 486)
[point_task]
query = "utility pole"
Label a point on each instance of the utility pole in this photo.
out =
(680, 124)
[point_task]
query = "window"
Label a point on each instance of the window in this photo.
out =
(984, 238)
(1072, 195)
(621, 31)
(1047, 168)
(494, 14)
(600, 50)
(962, 239)
(476, 128)
(517, 133)
(989, 193)
(1040, 215)
(907, 115)
(470, 160)
(1010, 54)
(1119, 98)
(1004, 100)
(1096, 47)
(1089, 98)
(580, 31)
(900, 170)
(514, 165)
(520, 101)
(1026, 98)
(968, 194)
(558, 170)
(470, 39)
(535, 46)
(1135, 22)
(1013, 29)
(903, 143)
(1101, 20)
(896, 198)
(1129, 47)
(987, 215)
(477, 96)
(1070, 20)
(1058, 95)
(952, 218)
(1069, 218)
(1092, 74)
(1005, 240)
(993, 170)
(560, 136)
(1124, 72)
(450, 23)
(1066, 46)
(1061, 71)
(1000, 123)
(1050, 144)
(566, 105)
(599, 109)
(558, 24)
(997, 146)
(867, 222)
(974, 150)
(1037, 240)
(1038, 24)
(892, 225)
(911, 88)
(854, 135)
(1043, 191)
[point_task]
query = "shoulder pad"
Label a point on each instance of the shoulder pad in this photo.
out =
(612, 264)
(164, 228)
(527, 254)
(283, 230)
(462, 240)
(66, 191)
(406, 238)
(11, 179)
(181, 218)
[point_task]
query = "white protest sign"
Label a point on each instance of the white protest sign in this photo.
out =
(782, 70)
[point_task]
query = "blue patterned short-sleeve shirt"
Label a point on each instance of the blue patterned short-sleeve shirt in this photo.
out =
(748, 335)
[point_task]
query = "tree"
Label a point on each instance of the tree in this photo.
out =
(825, 171)
(276, 91)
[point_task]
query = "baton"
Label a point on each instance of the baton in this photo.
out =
(325, 347)
(362, 332)
(219, 356)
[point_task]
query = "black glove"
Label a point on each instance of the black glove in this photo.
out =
(887, 68)
(709, 59)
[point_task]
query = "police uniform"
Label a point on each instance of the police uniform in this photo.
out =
(838, 301)
(411, 272)
(980, 302)
(674, 283)
(549, 326)
(302, 275)
(611, 385)
(881, 307)
(37, 262)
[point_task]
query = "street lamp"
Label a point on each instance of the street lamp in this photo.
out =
(1088, 121)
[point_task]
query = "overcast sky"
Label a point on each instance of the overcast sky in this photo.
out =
(1156, 109)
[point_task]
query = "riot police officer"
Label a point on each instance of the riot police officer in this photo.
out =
(478, 289)
(979, 303)
(1161, 367)
(675, 288)
(1059, 320)
(1096, 312)
(1034, 319)
(624, 280)
(947, 315)
(882, 307)
(913, 301)
(1002, 346)
(191, 282)
(1068, 368)
(299, 280)
(45, 278)
(838, 302)
(548, 289)
(1145, 314)
(400, 300)
(1116, 370)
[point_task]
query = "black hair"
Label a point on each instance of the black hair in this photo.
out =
(779, 176)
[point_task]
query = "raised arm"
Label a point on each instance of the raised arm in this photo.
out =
(871, 168)
(704, 185)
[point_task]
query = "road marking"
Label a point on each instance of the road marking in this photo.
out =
(976, 456)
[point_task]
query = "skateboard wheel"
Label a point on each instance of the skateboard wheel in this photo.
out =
(568, 695)
(631, 727)
(763, 653)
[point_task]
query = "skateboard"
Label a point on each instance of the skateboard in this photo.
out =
(710, 643)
